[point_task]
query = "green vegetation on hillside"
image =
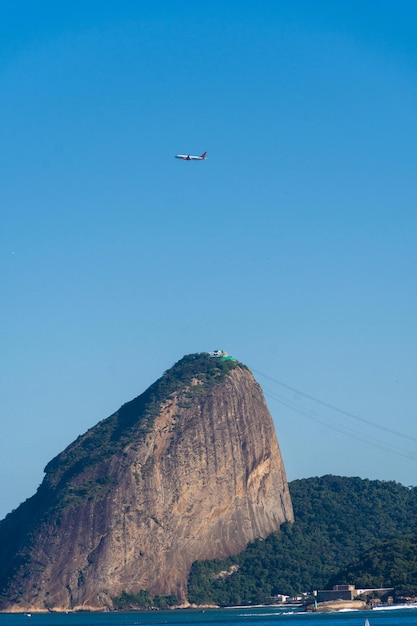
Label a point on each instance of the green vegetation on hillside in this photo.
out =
(389, 564)
(143, 600)
(336, 520)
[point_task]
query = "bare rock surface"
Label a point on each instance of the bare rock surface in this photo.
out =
(189, 470)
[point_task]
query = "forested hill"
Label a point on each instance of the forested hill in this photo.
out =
(392, 563)
(353, 511)
(336, 520)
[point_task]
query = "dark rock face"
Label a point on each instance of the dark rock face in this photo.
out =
(190, 470)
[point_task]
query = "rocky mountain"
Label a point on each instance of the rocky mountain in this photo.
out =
(189, 470)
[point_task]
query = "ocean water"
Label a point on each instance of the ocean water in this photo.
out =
(263, 616)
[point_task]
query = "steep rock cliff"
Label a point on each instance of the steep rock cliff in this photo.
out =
(189, 470)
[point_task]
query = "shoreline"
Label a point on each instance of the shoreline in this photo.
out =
(323, 607)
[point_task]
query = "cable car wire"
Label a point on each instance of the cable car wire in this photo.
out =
(336, 409)
(325, 421)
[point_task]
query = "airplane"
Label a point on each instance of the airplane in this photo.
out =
(190, 157)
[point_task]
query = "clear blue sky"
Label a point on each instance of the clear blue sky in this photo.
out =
(293, 246)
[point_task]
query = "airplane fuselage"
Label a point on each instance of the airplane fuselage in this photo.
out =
(191, 157)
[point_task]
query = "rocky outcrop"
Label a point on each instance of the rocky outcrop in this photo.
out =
(190, 470)
(339, 605)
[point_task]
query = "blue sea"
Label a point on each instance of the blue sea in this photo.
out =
(262, 616)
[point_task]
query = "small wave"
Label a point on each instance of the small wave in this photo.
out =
(395, 607)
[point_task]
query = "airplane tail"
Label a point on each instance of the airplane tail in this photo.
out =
(203, 156)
